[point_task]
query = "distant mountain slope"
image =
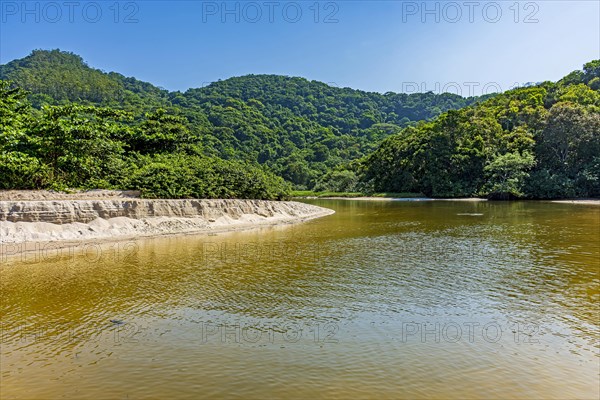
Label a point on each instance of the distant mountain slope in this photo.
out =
(57, 77)
(343, 108)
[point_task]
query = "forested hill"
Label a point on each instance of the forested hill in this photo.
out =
(81, 127)
(56, 77)
(297, 128)
(537, 142)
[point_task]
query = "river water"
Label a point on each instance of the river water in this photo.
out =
(383, 299)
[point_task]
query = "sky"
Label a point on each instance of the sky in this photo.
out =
(464, 47)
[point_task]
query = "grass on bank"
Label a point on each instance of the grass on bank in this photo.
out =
(310, 193)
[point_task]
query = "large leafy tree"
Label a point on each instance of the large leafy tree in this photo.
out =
(80, 144)
(506, 173)
(160, 132)
(19, 169)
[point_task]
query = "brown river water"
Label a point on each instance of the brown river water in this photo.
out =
(400, 299)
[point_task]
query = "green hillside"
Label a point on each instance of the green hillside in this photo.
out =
(538, 142)
(297, 128)
(65, 124)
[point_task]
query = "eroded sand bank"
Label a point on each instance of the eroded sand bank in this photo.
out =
(68, 220)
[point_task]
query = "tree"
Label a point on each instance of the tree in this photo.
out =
(592, 70)
(506, 174)
(14, 116)
(18, 168)
(160, 132)
(80, 145)
(338, 181)
(571, 138)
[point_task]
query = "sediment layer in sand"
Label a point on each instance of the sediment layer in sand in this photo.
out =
(69, 220)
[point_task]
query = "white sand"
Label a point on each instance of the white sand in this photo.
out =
(99, 194)
(366, 198)
(75, 220)
(593, 202)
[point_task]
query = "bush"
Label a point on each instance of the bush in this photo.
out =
(180, 176)
(20, 171)
(543, 184)
(337, 181)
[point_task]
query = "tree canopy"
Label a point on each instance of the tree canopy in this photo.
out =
(65, 124)
(538, 142)
(297, 128)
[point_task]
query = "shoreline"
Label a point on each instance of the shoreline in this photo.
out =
(27, 226)
(594, 202)
(375, 198)
(119, 246)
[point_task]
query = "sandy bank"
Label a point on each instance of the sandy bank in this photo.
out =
(366, 198)
(99, 194)
(593, 202)
(69, 220)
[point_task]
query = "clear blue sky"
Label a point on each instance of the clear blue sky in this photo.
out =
(370, 45)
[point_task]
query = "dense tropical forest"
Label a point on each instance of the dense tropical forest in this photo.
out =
(123, 130)
(535, 142)
(66, 125)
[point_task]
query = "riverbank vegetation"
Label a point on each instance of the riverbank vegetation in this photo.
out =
(75, 146)
(85, 127)
(541, 142)
(313, 194)
(66, 125)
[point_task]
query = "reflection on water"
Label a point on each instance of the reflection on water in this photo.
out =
(382, 299)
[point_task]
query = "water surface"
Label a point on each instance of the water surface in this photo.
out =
(380, 300)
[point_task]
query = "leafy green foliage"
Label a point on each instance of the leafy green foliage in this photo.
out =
(75, 146)
(538, 142)
(299, 129)
(79, 144)
(21, 171)
(338, 181)
(237, 137)
(179, 176)
(18, 170)
(58, 78)
(160, 132)
(506, 173)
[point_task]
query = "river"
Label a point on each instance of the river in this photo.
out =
(398, 299)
